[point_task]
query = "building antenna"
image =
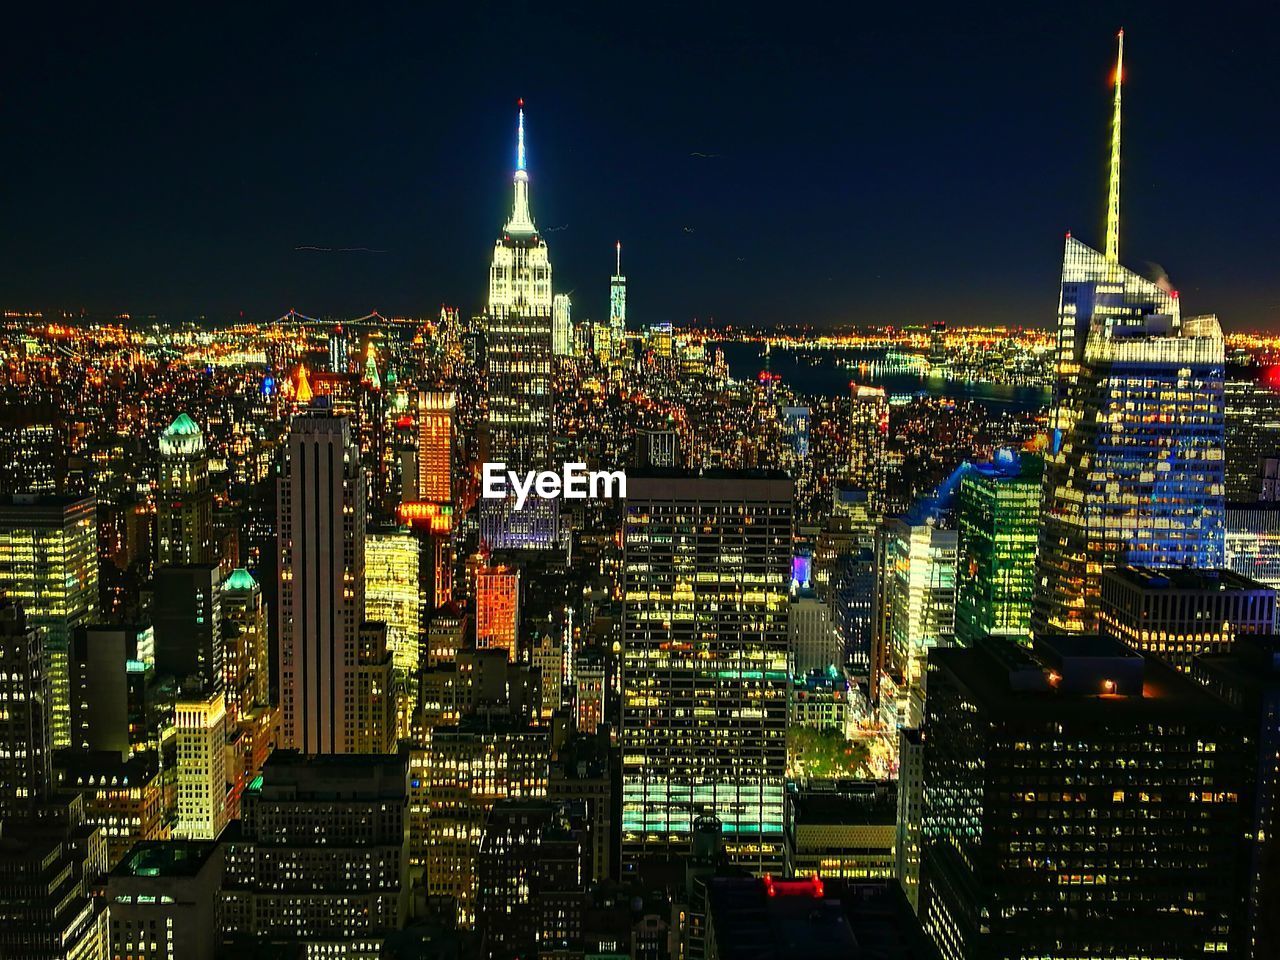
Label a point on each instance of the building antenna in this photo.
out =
(1113, 193)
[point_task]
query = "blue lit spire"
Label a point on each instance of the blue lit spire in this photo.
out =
(521, 222)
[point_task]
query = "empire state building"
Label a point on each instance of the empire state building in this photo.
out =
(518, 350)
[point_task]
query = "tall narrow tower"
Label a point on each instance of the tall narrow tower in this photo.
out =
(518, 357)
(321, 514)
(1113, 190)
(618, 306)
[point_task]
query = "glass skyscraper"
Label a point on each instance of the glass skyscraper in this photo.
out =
(706, 571)
(997, 516)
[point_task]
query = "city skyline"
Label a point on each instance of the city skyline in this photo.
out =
(923, 135)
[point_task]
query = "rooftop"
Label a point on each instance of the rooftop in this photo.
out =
(1146, 578)
(166, 858)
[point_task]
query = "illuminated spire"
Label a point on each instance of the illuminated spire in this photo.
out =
(618, 269)
(303, 395)
(521, 221)
(371, 368)
(1113, 193)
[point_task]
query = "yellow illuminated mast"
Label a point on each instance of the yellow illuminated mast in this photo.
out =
(1113, 195)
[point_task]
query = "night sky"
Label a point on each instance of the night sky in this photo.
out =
(788, 164)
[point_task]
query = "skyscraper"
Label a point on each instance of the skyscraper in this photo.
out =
(392, 582)
(49, 564)
(188, 621)
(706, 570)
(518, 356)
(562, 325)
(498, 609)
(435, 446)
(1134, 471)
(618, 307)
(184, 502)
(26, 717)
(997, 517)
(321, 516)
(868, 430)
(201, 768)
(1079, 801)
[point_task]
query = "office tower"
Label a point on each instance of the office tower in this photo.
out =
(184, 500)
(910, 813)
(1253, 541)
(657, 448)
(188, 622)
(853, 587)
(33, 450)
(997, 519)
(110, 669)
(448, 632)
(547, 656)
(868, 430)
(498, 609)
(164, 901)
(844, 833)
(795, 431)
(337, 350)
(371, 724)
(530, 888)
(126, 798)
(475, 764)
(581, 778)
(1178, 614)
(49, 564)
(26, 715)
(618, 307)
(706, 569)
(1252, 434)
(321, 516)
(812, 643)
(48, 868)
(1077, 798)
(518, 329)
(1248, 678)
(1134, 469)
(391, 585)
(588, 682)
(246, 668)
(915, 606)
(435, 445)
(201, 727)
(344, 818)
(562, 325)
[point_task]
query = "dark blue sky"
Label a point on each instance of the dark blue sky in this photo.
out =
(886, 165)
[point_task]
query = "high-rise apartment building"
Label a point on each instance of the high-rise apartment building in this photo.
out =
(49, 564)
(1177, 615)
(997, 518)
(26, 715)
(706, 571)
(321, 517)
(184, 500)
(1078, 801)
(435, 445)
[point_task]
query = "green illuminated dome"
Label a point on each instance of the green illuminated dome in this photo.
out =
(240, 580)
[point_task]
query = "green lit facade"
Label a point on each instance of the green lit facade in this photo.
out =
(997, 513)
